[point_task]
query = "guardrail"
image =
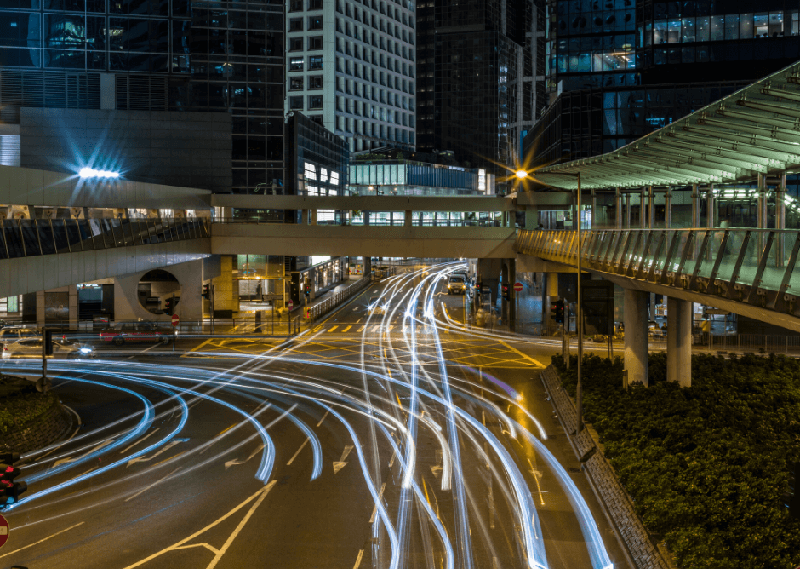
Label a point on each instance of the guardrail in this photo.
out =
(372, 223)
(312, 313)
(36, 237)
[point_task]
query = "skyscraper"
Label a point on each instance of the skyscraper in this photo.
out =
(153, 55)
(351, 67)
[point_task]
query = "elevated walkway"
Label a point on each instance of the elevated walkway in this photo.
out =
(746, 271)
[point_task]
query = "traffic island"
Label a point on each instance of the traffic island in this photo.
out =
(30, 420)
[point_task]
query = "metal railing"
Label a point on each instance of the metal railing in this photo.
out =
(36, 237)
(373, 222)
(312, 313)
(756, 266)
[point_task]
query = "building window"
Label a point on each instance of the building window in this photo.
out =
(296, 5)
(295, 83)
(296, 25)
(315, 4)
(317, 119)
(296, 103)
(315, 62)
(315, 101)
(295, 44)
(315, 43)
(315, 82)
(295, 64)
(315, 23)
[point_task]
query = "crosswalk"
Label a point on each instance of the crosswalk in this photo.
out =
(360, 329)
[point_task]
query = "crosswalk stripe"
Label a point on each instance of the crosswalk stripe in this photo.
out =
(334, 328)
(360, 329)
(389, 329)
(346, 329)
(376, 327)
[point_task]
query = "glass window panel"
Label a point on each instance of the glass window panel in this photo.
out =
(795, 29)
(761, 25)
(717, 28)
(731, 26)
(46, 238)
(702, 29)
(674, 31)
(15, 27)
(29, 237)
(660, 32)
(775, 24)
(746, 29)
(688, 28)
(13, 238)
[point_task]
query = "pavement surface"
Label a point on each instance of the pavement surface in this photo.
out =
(384, 438)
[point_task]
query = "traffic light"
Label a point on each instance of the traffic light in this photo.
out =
(506, 291)
(557, 310)
(10, 490)
(792, 499)
(48, 342)
(307, 289)
(206, 291)
(168, 305)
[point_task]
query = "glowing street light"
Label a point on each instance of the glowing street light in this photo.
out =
(521, 174)
(92, 173)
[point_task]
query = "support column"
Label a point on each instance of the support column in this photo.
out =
(593, 213)
(710, 207)
(761, 217)
(679, 341)
(531, 217)
(780, 221)
(40, 308)
(636, 336)
(312, 217)
(73, 307)
(668, 209)
(226, 291)
(651, 208)
(303, 217)
(628, 213)
(407, 218)
(642, 211)
(695, 206)
(617, 209)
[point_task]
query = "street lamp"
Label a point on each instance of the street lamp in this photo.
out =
(522, 174)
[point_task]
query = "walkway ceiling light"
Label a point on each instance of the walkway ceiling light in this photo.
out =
(92, 173)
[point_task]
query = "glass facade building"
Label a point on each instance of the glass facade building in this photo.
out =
(154, 55)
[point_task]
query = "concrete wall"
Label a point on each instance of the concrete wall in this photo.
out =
(190, 276)
(172, 148)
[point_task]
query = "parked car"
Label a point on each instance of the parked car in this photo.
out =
(13, 333)
(135, 332)
(32, 348)
(456, 285)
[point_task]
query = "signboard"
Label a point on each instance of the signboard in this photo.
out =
(3, 531)
(290, 305)
(176, 320)
(518, 287)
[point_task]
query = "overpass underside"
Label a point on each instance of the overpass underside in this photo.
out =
(380, 241)
(745, 271)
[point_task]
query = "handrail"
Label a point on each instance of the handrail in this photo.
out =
(755, 266)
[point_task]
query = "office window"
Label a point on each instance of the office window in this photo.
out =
(315, 23)
(295, 44)
(315, 101)
(315, 4)
(295, 64)
(296, 103)
(315, 62)
(315, 43)
(295, 83)
(315, 82)
(296, 25)
(295, 5)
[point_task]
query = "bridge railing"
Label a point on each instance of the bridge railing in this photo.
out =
(36, 237)
(417, 222)
(757, 266)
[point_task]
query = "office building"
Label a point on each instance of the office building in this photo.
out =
(351, 67)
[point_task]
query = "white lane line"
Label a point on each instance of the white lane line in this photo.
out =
(358, 558)
(127, 448)
(41, 540)
(291, 460)
(150, 348)
(146, 488)
(375, 510)
(323, 418)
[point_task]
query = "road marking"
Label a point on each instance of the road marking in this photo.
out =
(150, 348)
(334, 328)
(127, 448)
(346, 329)
(158, 452)
(360, 329)
(337, 466)
(358, 558)
(323, 418)
(41, 540)
(359, 321)
(69, 459)
(389, 329)
(228, 429)
(291, 460)
(146, 488)
(258, 497)
(376, 327)
(236, 461)
(380, 497)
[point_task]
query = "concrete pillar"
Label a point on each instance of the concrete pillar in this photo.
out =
(531, 217)
(695, 206)
(73, 307)
(408, 218)
(510, 307)
(617, 209)
(636, 336)
(593, 212)
(628, 212)
(780, 221)
(711, 208)
(651, 208)
(226, 289)
(643, 209)
(40, 308)
(312, 217)
(679, 341)
(303, 217)
(668, 209)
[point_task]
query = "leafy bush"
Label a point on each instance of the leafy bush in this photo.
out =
(706, 466)
(20, 403)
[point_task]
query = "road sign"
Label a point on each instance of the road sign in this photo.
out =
(518, 287)
(176, 320)
(3, 531)
(290, 305)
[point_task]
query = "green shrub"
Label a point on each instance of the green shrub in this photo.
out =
(706, 466)
(19, 411)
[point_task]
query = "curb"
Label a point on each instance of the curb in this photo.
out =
(642, 553)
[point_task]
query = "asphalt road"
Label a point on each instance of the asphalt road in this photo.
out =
(383, 439)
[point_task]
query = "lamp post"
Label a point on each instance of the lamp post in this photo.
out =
(521, 175)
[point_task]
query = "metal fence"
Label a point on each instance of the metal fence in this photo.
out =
(312, 313)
